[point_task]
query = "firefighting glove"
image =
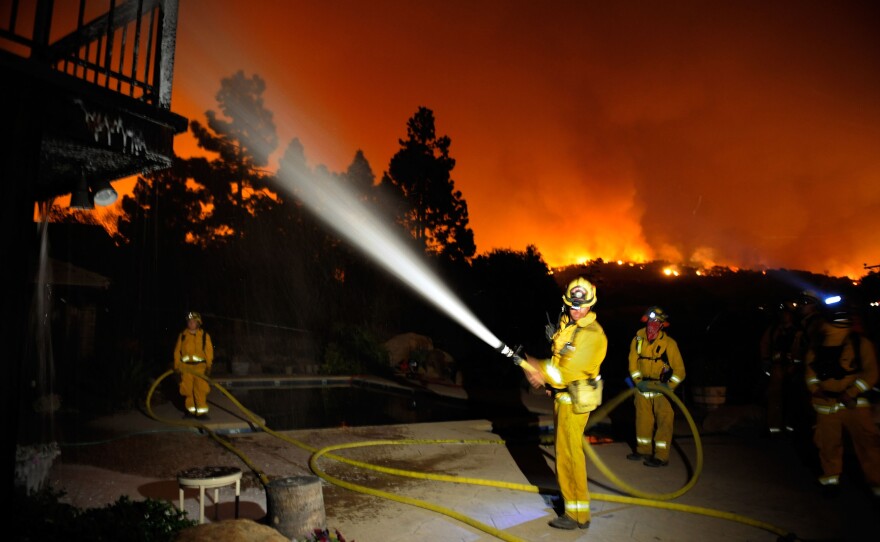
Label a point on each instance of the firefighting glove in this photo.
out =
(549, 329)
(643, 386)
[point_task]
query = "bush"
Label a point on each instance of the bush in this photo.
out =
(42, 516)
(110, 385)
(354, 350)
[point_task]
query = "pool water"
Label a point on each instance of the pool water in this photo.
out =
(338, 406)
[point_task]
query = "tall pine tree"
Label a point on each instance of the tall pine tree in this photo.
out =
(420, 185)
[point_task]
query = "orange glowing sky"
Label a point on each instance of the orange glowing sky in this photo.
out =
(744, 133)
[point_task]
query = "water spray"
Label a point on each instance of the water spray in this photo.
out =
(339, 209)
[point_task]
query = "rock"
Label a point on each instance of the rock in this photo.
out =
(401, 347)
(440, 365)
(231, 530)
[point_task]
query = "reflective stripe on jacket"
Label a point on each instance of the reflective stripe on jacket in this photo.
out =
(860, 374)
(193, 348)
(646, 358)
(578, 351)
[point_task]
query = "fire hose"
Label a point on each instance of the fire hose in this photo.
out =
(639, 497)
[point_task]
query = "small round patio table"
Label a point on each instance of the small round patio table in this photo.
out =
(210, 478)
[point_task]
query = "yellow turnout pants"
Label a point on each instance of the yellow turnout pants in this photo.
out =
(654, 417)
(571, 460)
(865, 438)
(194, 389)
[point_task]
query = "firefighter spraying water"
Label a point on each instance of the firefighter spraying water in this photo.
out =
(571, 376)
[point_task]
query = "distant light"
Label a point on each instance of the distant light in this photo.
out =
(831, 300)
(619, 262)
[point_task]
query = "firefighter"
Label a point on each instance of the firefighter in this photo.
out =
(810, 319)
(571, 376)
(840, 369)
(810, 314)
(654, 360)
(777, 343)
(194, 353)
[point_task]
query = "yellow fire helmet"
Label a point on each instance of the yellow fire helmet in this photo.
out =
(580, 293)
(657, 314)
(192, 315)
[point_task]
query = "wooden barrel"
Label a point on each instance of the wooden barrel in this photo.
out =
(709, 397)
(295, 506)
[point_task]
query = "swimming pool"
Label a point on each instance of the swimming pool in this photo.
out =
(311, 403)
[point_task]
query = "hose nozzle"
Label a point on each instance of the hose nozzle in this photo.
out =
(514, 355)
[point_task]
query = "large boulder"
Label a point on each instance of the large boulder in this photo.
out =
(231, 530)
(415, 355)
(401, 347)
(439, 365)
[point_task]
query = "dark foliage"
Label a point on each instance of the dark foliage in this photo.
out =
(42, 516)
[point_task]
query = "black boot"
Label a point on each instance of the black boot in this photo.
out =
(654, 462)
(565, 522)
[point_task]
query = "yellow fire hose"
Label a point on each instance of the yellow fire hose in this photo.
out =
(639, 497)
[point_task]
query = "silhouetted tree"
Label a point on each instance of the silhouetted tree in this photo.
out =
(237, 182)
(385, 305)
(515, 294)
(313, 262)
(426, 202)
(163, 265)
(191, 230)
(361, 178)
(163, 207)
(247, 136)
(343, 284)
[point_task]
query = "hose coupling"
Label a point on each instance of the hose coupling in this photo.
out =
(514, 355)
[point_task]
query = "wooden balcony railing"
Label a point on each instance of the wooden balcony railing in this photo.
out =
(126, 46)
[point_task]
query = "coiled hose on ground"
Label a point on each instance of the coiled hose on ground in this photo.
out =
(638, 497)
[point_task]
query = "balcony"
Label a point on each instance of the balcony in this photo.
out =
(89, 84)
